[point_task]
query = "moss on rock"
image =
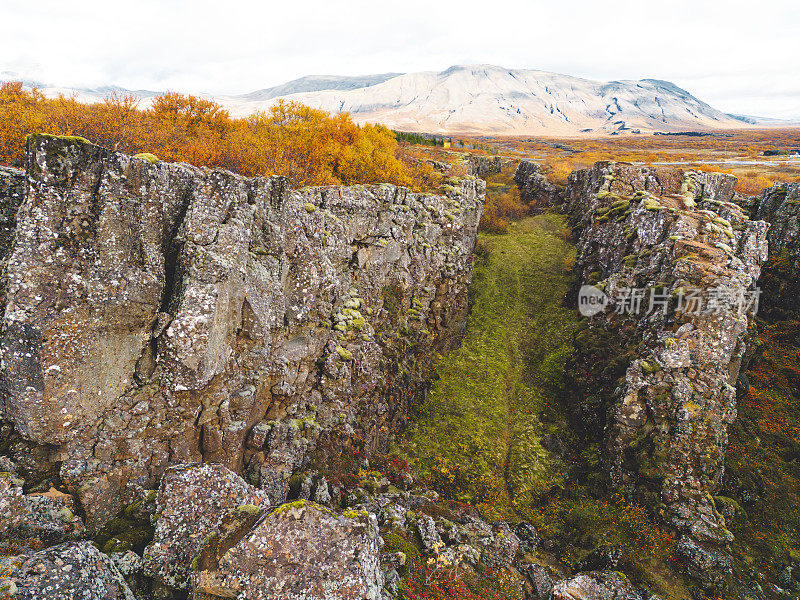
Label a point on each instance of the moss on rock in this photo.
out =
(151, 158)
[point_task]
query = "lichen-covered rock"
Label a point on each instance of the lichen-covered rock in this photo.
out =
(780, 207)
(35, 520)
(483, 166)
(669, 368)
(12, 503)
(159, 314)
(71, 571)
(301, 551)
(535, 189)
(192, 503)
(527, 535)
(503, 549)
(595, 585)
(12, 193)
(602, 558)
(541, 580)
(426, 529)
(708, 565)
(49, 519)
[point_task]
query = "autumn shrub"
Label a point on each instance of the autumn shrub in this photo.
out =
(586, 521)
(503, 202)
(310, 146)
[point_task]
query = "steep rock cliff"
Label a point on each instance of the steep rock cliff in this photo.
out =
(483, 166)
(159, 314)
(657, 373)
(780, 207)
(535, 189)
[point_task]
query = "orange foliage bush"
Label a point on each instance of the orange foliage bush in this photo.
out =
(311, 147)
(503, 201)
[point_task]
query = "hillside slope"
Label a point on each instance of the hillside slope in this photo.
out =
(492, 99)
(482, 100)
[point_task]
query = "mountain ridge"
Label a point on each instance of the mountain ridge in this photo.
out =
(485, 99)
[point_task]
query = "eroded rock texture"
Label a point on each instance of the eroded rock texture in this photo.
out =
(658, 382)
(483, 166)
(299, 551)
(12, 192)
(535, 189)
(193, 501)
(66, 572)
(160, 314)
(780, 207)
(595, 585)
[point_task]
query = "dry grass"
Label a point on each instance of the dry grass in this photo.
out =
(562, 156)
(716, 152)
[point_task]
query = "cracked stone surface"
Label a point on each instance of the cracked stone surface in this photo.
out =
(161, 314)
(661, 384)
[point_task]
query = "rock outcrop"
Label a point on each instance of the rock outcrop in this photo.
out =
(483, 166)
(160, 314)
(535, 189)
(192, 503)
(676, 263)
(780, 207)
(338, 557)
(595, 585)
(75, 570)
(12, 193)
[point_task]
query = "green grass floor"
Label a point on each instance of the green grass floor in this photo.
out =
(478, 436)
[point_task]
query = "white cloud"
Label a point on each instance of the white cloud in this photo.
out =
(738, 57)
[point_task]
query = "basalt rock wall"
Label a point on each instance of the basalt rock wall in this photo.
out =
(158, 314)
(535, 189)
(657, 375)
(780, 207)
(483, 166)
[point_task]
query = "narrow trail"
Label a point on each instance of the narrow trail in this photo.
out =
(478, 436)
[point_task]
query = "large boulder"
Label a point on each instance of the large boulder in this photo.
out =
(192, 503)
(73, 571)
(595, 585)
(35, 520)
(503, 549)
(301, 551)
(706, 564)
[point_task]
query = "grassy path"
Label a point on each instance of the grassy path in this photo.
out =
(478, 436)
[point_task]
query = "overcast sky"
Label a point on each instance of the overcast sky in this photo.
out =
(740, 56)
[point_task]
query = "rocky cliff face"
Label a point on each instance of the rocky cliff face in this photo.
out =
(158, 314)
(535, 189)
(780, 207)
(676, 263)
(483, 166)
(12, 192)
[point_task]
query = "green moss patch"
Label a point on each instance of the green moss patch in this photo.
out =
(151, 158)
